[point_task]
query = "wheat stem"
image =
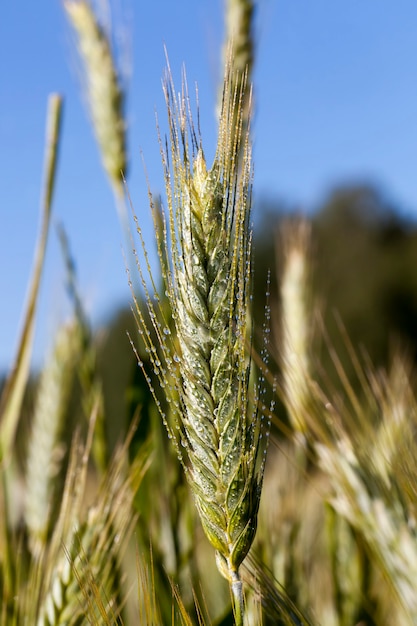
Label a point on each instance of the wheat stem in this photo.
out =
(237, 595)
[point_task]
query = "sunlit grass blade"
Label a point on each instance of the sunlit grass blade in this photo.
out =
(272, 599)
(12, 396)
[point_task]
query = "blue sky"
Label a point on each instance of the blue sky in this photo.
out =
(336, 101)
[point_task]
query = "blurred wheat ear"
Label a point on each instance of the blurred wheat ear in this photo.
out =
(46, 447)
(104, 93)
(105, 96)
(296, 325)
(206, 257)
(238, 48)
(83, 563)
(369, 456)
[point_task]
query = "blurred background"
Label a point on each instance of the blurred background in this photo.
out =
(335, 138)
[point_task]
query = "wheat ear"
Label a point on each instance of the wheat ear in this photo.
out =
(370, 460)
(45, 444)
(208, 276)
(105, 96)
(81, 582)
(238, 48)
(296, 325)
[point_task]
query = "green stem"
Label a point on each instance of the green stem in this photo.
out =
(237, 598)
